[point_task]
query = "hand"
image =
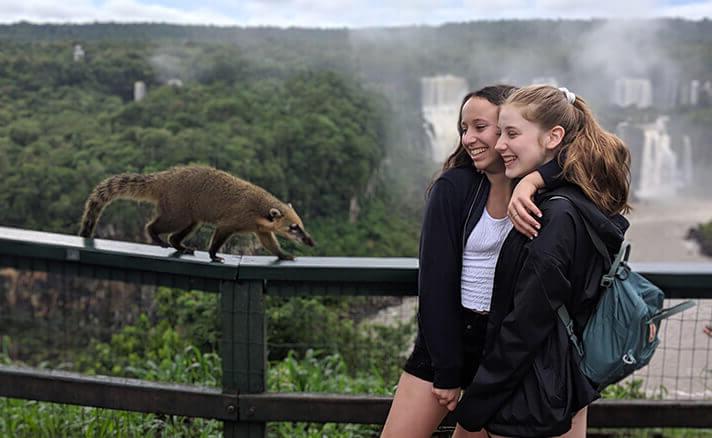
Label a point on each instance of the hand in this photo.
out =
(653, 330)
(521, 209)
(708, 330)
(447, 397)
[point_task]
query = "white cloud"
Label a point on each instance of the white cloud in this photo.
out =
(339, 13)
(600, 8)
(82, 11)
(692, 11)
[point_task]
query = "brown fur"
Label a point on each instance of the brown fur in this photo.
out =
(187, 196)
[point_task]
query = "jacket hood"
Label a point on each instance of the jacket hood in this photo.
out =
(611, 229)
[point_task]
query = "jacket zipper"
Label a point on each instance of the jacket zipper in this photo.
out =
(469, 213)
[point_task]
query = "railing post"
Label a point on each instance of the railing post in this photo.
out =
(243, 350)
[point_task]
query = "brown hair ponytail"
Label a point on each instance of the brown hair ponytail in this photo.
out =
(599, 163)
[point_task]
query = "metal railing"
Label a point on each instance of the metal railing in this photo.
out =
(242, 282)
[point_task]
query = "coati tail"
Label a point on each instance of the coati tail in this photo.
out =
(127, 185)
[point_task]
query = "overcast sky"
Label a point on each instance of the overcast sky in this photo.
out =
(338, 13)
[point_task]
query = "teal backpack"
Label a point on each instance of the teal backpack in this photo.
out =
(622, 333)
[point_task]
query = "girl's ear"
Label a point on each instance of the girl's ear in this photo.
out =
(554, 137)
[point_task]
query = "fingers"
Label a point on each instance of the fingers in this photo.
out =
(708, 330)
(521, 212)
(529, 205)
(447, 397)
(449, 402)
(653, 331)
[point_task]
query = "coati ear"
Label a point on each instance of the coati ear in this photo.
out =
(274, 213)
(290, 205)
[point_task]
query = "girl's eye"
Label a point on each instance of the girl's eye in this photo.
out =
(481, 127)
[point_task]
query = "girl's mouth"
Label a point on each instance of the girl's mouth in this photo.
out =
(509, 160)
(474, 152)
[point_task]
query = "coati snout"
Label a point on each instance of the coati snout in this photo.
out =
(187, 196)
(290, 228)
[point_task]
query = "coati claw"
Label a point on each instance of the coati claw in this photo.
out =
(217, 259)
(285, 257)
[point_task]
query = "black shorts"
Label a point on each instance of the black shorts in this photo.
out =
(474, 327)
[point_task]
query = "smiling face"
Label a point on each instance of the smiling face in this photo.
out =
(479, 134)
(524, 145)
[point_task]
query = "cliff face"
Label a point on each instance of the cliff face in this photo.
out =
(46, 316)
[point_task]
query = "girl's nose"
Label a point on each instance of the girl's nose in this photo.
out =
(468, 139)
(500, 146)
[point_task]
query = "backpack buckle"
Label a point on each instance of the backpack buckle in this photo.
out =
(623, 271)
(578, 347)
(573, 338)
(606, 281)
(628, 358)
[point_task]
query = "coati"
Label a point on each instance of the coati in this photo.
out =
(186, 196)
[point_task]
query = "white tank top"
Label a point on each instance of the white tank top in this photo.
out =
(479, 260)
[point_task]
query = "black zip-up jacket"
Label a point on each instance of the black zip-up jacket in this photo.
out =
(529, 383)
(455, 205)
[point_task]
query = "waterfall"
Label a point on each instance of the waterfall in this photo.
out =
(658, 169)
(633, 91)
(441, 99)
(694, 92)
(686, 168)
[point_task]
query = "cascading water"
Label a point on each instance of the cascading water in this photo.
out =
(633, 91)
(441, 99)
(659, 163)
(658, 171)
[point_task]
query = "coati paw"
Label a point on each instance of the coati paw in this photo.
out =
(217, 259)
(285, 257)
(189, 251)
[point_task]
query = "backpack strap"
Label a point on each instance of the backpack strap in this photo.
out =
(569, 325)
(601, 248)
(623, 252)
(670, 311)
(621, 257)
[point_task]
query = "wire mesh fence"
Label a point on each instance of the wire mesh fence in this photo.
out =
(51, 317)
(681, 368)
(337, 343)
